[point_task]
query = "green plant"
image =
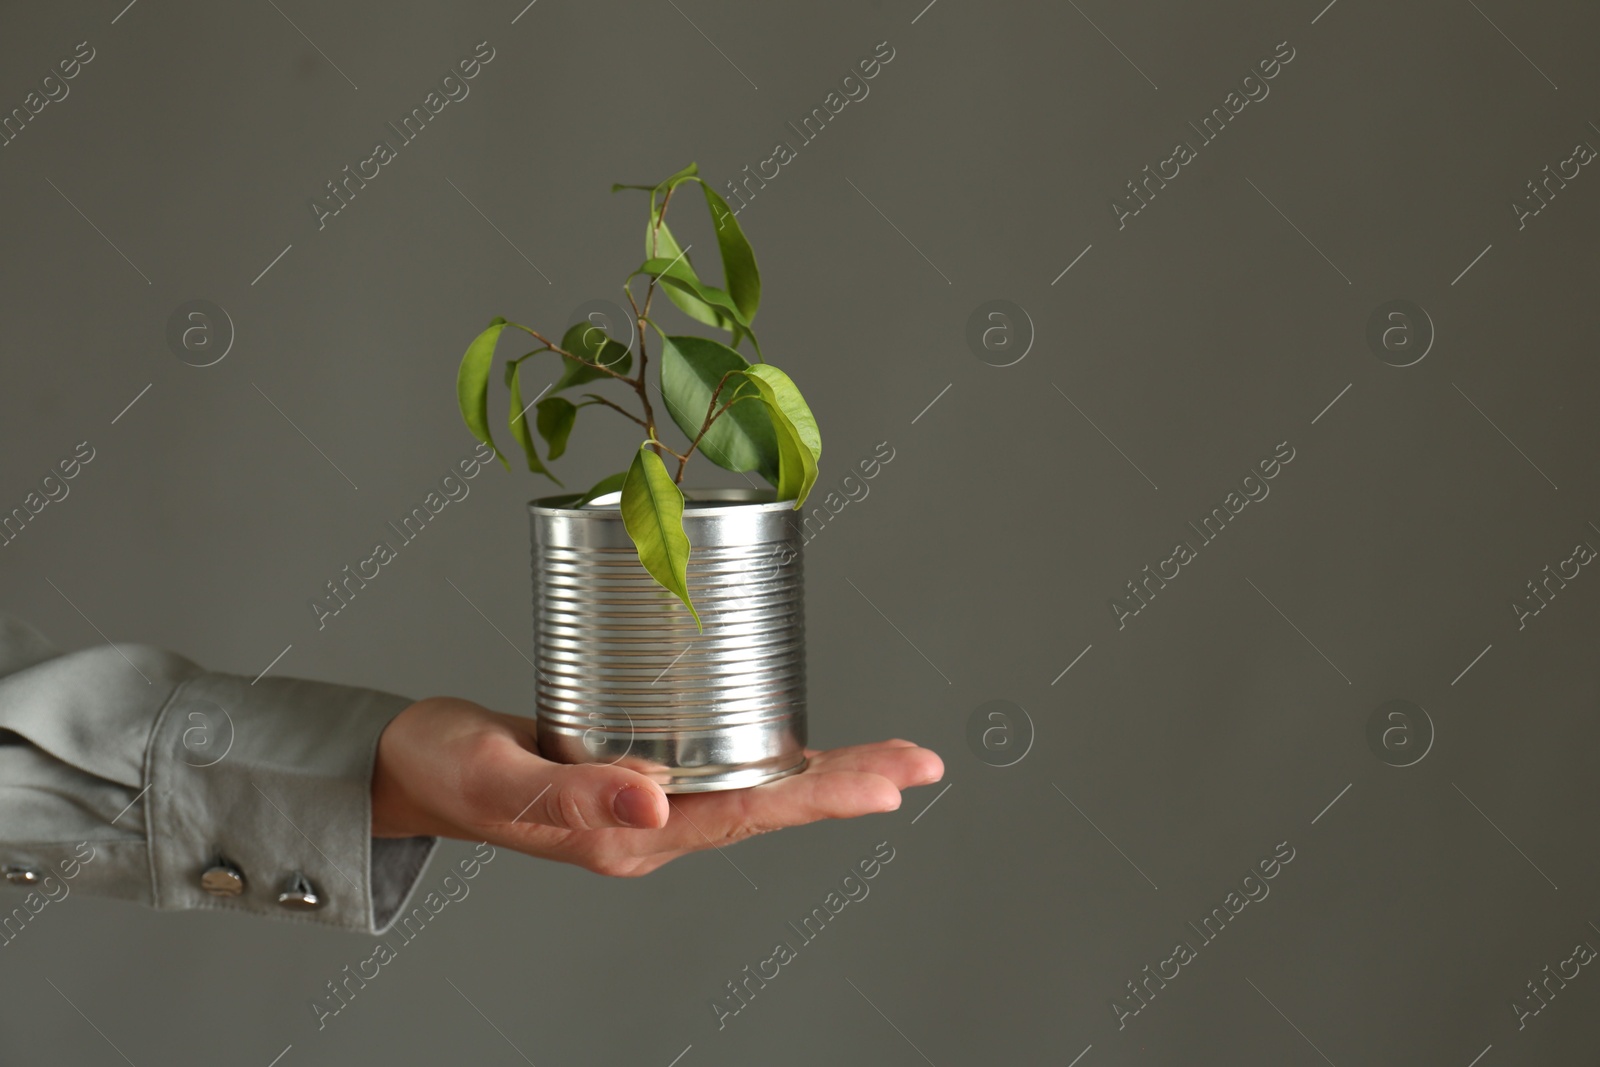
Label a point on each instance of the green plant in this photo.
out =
(754, 418)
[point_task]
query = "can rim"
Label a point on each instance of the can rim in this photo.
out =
(696, 501)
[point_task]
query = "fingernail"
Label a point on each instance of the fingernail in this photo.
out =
(634, 807)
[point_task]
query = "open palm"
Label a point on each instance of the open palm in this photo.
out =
(452, 768)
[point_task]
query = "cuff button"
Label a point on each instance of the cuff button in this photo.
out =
(299, 894)
(222, 879)
(22, 875)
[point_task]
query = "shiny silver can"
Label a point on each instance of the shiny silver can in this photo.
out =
(623, 675)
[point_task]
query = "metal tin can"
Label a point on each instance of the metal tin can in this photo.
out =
(624, 676)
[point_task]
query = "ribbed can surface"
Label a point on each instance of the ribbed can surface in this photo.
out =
(623, 675)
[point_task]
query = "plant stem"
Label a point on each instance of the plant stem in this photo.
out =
(616, 407)
(642, 387)
(656, 227)
(639, 384)
(563, 352)
(661, 217)
(641, 317)
(712, 415)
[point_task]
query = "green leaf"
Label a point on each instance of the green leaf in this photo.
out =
(742, 438)
(740, 276)
(512, 364)
(589, 342)
(660, 194)
(472, 385)
(652, 513)
(667, 248)
(686, 290)
(519, 422)
(661, 191)
(794, 405)
(557, 415)
(609, 484)
(677, 274)
(799, 440)
(792, 456)
(687, 172)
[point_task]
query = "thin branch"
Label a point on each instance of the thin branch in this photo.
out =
(641, 319)
(683, 460)
(649, 295)
(617, 408)
(712, 414)
(642, 387)
(638, 383)
(627, 288)
(542, 339)
(526, 355)
(578, 359)
(655, 229)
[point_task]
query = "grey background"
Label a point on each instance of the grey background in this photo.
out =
(1208, 330)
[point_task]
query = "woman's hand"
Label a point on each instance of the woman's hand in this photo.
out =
(450, 768)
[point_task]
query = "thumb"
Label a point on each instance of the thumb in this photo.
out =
(586, 796)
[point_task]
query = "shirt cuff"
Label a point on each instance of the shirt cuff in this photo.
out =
(260, 800)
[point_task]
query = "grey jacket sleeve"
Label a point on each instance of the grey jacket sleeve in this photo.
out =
(131, 772)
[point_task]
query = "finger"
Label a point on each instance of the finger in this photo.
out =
(871, 745)
(902, 762)
(702, 820)
(586, 796)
